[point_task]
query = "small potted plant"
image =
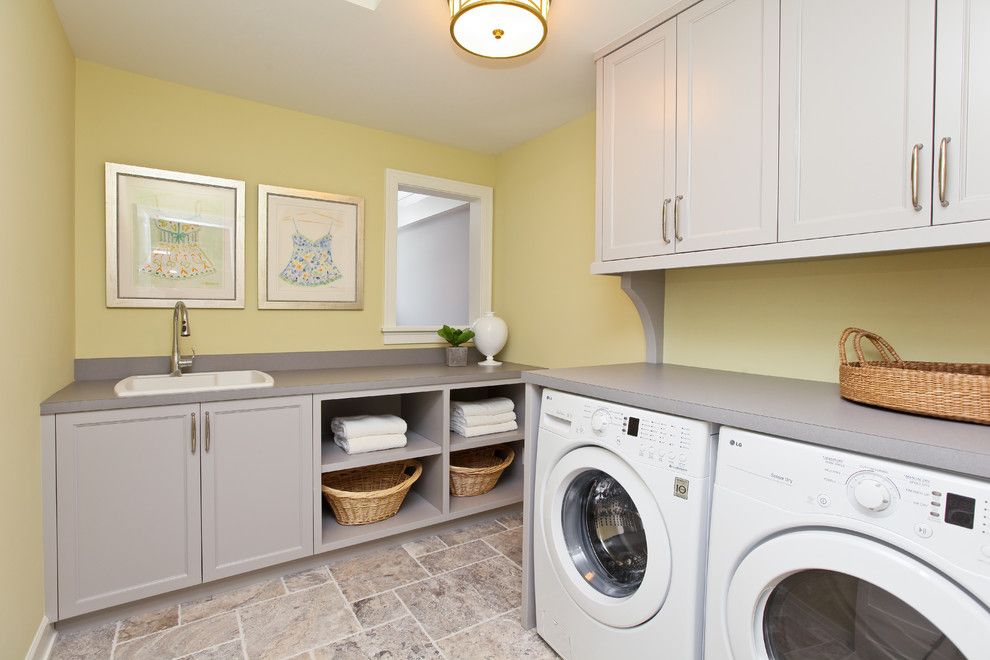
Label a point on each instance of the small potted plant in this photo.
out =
(456, 354)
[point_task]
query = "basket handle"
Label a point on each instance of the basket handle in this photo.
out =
(416, 472)
(887, 352)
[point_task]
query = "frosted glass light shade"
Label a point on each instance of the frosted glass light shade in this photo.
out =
(499, 28)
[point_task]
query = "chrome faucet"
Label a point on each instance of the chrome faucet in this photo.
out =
(180, 326)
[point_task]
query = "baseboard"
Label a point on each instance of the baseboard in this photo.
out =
(44, 639)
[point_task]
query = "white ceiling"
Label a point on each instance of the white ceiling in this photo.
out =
(394, 68)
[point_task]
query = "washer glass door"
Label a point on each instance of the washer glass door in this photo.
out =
(817, 614)
(604, 534)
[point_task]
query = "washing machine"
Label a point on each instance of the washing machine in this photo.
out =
(817, 553)
(621, 506)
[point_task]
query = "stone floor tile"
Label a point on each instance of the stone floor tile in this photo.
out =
(398, 640)
(460, 555)
(511, 520)
(146, 623)
(376, 610)
(93, 643)
(509, 543)
(230, 600)
(230, 651)
(496, 581)
(503, 637)
(424, 546)
(471, 532)
(305, 579)
(366, 575)
(302, 620)
(182, 640)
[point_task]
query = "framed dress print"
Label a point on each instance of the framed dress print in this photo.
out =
(310, 249)
(173, 236)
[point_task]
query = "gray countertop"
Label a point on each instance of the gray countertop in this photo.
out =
(804, 410)
(90, 395)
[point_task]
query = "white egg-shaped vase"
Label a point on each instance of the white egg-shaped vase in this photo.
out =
(490, 335)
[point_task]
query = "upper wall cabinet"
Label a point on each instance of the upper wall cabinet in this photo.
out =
(726, 124)
(962, 108)
(856, 96)
(638, 106)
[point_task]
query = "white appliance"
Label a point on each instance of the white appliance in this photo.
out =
(818, 553)
(621, 507)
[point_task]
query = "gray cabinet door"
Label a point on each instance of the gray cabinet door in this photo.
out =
(128, 505)
(257, 484)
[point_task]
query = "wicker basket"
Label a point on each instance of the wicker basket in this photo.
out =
(368, 494)
(934, 389)
(476, 471)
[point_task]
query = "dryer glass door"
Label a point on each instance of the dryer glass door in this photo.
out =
(820, 613)
(604, 534)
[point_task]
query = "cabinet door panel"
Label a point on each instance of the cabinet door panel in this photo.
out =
(257, 484)
(128, 506)
(856, 93)
(638, 159)
(962, 110)
(727, 107)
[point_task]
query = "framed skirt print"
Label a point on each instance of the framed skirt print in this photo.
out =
(173, 236)
(310, 249)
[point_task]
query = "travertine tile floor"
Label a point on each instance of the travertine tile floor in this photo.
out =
(456, 595)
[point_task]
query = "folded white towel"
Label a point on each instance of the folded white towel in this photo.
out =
(493, 406)
(482, 420)
(368, 443)
(472, 431)
(361, 425)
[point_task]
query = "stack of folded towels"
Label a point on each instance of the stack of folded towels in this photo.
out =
(363, 433)
(473, 418)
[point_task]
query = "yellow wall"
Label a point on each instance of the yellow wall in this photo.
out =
(558, 313)
(785, 319)
(36, 76)
(126, 118)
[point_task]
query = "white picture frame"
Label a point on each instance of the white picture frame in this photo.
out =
(310, 249)
(173, 236)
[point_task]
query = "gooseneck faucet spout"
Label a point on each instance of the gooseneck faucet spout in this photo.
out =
(180, 327)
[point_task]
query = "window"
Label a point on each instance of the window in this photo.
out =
(438, 237)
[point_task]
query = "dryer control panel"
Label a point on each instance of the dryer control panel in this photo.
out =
(945, 513)
(642, 436)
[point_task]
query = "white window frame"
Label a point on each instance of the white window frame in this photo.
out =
(481, 201)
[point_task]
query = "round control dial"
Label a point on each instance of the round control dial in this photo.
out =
(871, 492)
(599, 420)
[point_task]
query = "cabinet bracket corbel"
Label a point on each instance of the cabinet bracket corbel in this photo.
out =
(646, 290)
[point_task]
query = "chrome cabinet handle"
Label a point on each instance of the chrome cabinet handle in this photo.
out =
(943, 178)
(915, 176)
(677, 217)
(666, 241)
(206, 429)
(193, 433)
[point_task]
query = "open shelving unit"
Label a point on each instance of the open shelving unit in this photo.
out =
(429, 440)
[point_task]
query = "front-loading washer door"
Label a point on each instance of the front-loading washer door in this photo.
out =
(606, 536)
(828, 594)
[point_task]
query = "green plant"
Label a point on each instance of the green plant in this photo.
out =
(454, 336)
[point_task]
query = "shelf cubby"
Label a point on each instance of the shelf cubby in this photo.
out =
(508, 490)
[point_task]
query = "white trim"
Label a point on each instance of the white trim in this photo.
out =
(44, 640)
(917, 238)
(481, 200)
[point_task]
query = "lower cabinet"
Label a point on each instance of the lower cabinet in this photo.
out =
(128, 503)
(152, 500)
(257, 484)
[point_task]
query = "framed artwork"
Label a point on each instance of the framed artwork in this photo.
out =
(310, 250)
(173, 236)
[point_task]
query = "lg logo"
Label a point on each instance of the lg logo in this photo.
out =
(734, 443)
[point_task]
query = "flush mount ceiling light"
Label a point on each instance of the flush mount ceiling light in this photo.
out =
(499, 29)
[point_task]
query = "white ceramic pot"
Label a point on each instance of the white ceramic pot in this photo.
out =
(490, 335)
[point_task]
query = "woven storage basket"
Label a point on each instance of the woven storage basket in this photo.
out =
(368, 494)
(934, 389)
(476, 471)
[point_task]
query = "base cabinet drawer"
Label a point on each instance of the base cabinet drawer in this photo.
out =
(128, 498)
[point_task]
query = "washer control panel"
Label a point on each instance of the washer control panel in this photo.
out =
(642, 436)
(947, 513)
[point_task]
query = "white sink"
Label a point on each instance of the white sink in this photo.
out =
(209, 381)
